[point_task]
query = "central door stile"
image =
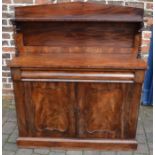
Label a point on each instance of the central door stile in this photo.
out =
(80, 96)
(76, 108)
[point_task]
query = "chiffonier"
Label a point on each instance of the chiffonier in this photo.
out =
(77, 75)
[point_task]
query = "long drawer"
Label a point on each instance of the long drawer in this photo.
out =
(78, 76)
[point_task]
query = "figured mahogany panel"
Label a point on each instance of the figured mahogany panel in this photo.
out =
(52, 109)
(102, 110)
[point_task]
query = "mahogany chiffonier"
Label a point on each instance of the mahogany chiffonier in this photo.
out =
(78, 75)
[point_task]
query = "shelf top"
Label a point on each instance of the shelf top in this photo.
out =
(78, 61)
(78, 11)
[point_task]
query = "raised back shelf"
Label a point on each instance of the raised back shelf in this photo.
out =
(78, 28)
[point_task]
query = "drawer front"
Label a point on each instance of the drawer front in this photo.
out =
(126, 77)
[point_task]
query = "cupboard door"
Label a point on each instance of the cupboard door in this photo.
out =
(50, 109)
(102, 110)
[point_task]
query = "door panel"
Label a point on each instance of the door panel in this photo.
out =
(52, 109)
(101, 110)
(84, 110)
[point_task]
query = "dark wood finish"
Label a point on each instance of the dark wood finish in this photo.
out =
(77, 75)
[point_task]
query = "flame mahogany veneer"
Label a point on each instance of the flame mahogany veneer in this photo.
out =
(78, 75)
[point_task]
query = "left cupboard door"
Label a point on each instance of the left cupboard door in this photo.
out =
(49, 109)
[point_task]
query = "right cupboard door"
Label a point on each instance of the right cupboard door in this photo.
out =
(103, 109)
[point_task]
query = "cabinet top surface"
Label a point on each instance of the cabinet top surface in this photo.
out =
(78, 11)
(81, 61)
